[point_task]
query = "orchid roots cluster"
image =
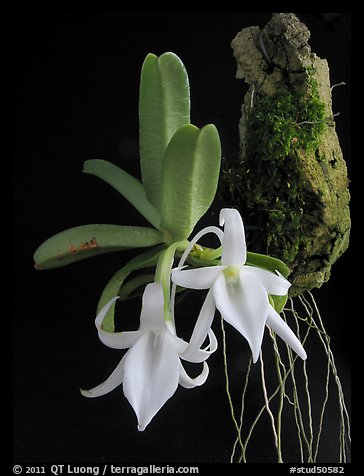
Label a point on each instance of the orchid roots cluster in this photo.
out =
(180, 166)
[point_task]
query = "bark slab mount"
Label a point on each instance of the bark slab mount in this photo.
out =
(290, 180)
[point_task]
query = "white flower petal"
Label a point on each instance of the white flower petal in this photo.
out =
(152, 313)
(199, 278)
(244, 305)
(273, 283)
(100, 316)
(112, 382)
(180, 344)
(201, 328)
(119, 340)
(212, 346)
(277, 324)
(233, 243)
(200, 355)
(115, 340)
(187, 382)
(151, 375)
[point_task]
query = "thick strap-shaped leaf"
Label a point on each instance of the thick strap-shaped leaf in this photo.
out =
(85, 241)
(125, 184)
(189, 178)
(164, 107)
(267, 262)
(112, 289)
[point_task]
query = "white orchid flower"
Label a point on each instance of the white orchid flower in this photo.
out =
(240, 292)
(151, 369)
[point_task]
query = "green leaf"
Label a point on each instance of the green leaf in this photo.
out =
(164, 107)
(267, 262)
(125, 184)
(189, 178)
(86, 241)
(134, 287)
(278, 302)
(271, 264)
(112, 289)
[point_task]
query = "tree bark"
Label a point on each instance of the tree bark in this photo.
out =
(297, 201)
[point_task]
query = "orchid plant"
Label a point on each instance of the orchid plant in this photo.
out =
(180, 166)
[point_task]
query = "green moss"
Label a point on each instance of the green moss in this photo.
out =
(270, 189)
(285, 122)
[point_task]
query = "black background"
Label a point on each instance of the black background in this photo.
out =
(75, 89)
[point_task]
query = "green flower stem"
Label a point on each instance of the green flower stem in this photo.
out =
(163, 274)
(144, 260)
